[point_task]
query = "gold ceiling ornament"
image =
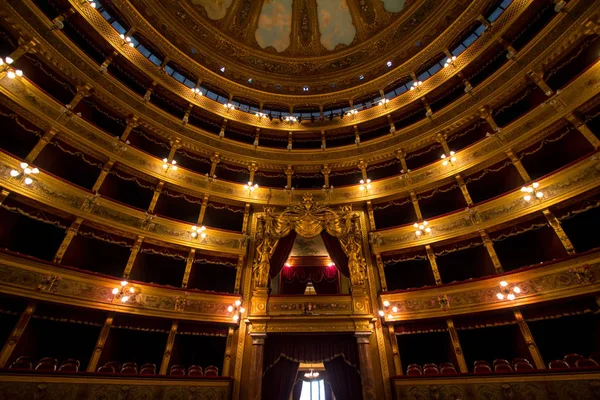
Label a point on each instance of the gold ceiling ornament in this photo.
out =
(309, 219)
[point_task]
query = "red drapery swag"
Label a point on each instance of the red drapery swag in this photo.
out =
(336, 253)
(295, 279)
(282, 253)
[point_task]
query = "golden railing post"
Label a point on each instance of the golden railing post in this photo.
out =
(326, 171)
(323, 139)
(238, 274)
(441, 139)
(489, 246)
(103, 174)
(371, 215)
(463, 189)
(132, 123)
(39, 146)
(583, 129)
(362, 165)
(82, 91)
(135, 249)
(93, 364)
(395, 350)
(164, 365)
(256, 137)
(560, 232)
(434, 266)
(538, 79)
(25, 46)
(460, 357)
(415, 203)
(289, 172)
(486, 113)
(203, 209)
(252, 168)
(155, 197)
(356, 135)
(511, 52)
(16, 334)
(533, 349)
(107, 61)
(391, 123)
(188, 268)
(517, 163)
(381, 270)
(3, 195)
(227, 357)
(214, 160)
(149, 92)
(71, 233)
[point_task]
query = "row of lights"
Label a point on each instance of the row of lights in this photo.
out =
(27, 170)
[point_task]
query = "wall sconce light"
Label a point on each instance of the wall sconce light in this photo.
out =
(92, 3)
(531, 192)
(198, 231)
(126, 40)
(386, 307)
(422, 228)
(237, 310)
(351, 113)
(27, 170)
(260, 115)
(449, 61)
(365, 185)
(196, 91)
(448, 159)
(384, 102)
(228, 106)
(167, 164)
(250, 187)
(416, 85)
(291, 119)
(507, 292)
(124, 292)
(5, 66)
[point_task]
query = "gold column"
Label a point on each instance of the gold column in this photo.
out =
(489, 246)
(415, 203)
(135, 249)
(323, 141)
(3, 195)
(203, 209)
(84, 90)
(391, 122)
(164, 365)
(149, 91)
(103, 174)
(395, 350)
(366, 365)
(223, 127)
(104, 66)
(214, 160)
(132, 123)
(256, 137)
(381, 270)
(44, 140)
(289, 146)
(433, 263)
(558, 229)
(517, 163)
(429, 111)
(460, 357)
(401, 155)
(71, 233)
(538, 79)
(93, 364)
(186, 115)
(246, 219)
(465, 81)
(486, 113)
(362, 165)
(583, 128)
(533, 349)
(252, 168)
(227, 357)
(371, 215)
(238, 274)
(509, 48)
(188, 268)
(464, 190)
(326, 171)
(25, 46)
(16, 334)
(356, 135)
(155, 197)
(289, 171)
(441, 139)
(256, 366)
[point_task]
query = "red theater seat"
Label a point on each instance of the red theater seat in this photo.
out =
(414, 372)
(585, 362)
(481, 362)
(572, 358)
(21, 365)
(177, 370)
(500, 361)
(502, 368)
(116, 365)
(129, 368)
(195, 370)
(69, 368)
(448, 370)
(482, 369)
(106, 369)
(211, 370)
(520, 359)
(148, 369)
(47, 364)
(431, 370)
(595, 356)
(558, 364)
(523, 366)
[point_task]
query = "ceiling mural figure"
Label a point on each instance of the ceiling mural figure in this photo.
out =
(335, 23)
(215, 9)
(393, 5)
(275, 25)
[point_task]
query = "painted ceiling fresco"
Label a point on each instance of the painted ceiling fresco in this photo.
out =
(275, 25)
(393, 5)
(309, 247)
(215, 9)
(335, 23)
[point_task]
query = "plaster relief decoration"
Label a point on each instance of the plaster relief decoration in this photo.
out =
(393, 5)
(215, 9)
(275, 25)
(335, 23)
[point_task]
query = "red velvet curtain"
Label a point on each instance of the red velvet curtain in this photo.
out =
(282, 253)
(336, 253)
(297, 392)
(279, 380)
(324, 279)
(344, 380)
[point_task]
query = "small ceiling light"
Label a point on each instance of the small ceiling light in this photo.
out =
(365, 185)
(381, 313)
(531, 192)
(249, 80)
(351, 113)
(305, 89)
(416, 85)
(228, 106)
(291, 119)
(507, 292)
(260, 115)
(422, 228)
(449, 61)
(196, 91)
(361, 77)
(92, 3)
(312, 374)
(389, 64)
(26, 170)
(124, 293)
(250, 187)
(12, 74)
(386, 303)
(222, 69)
(383, 102)
(450, 159)
(198, 231)
(8, 60)
(395, 309)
